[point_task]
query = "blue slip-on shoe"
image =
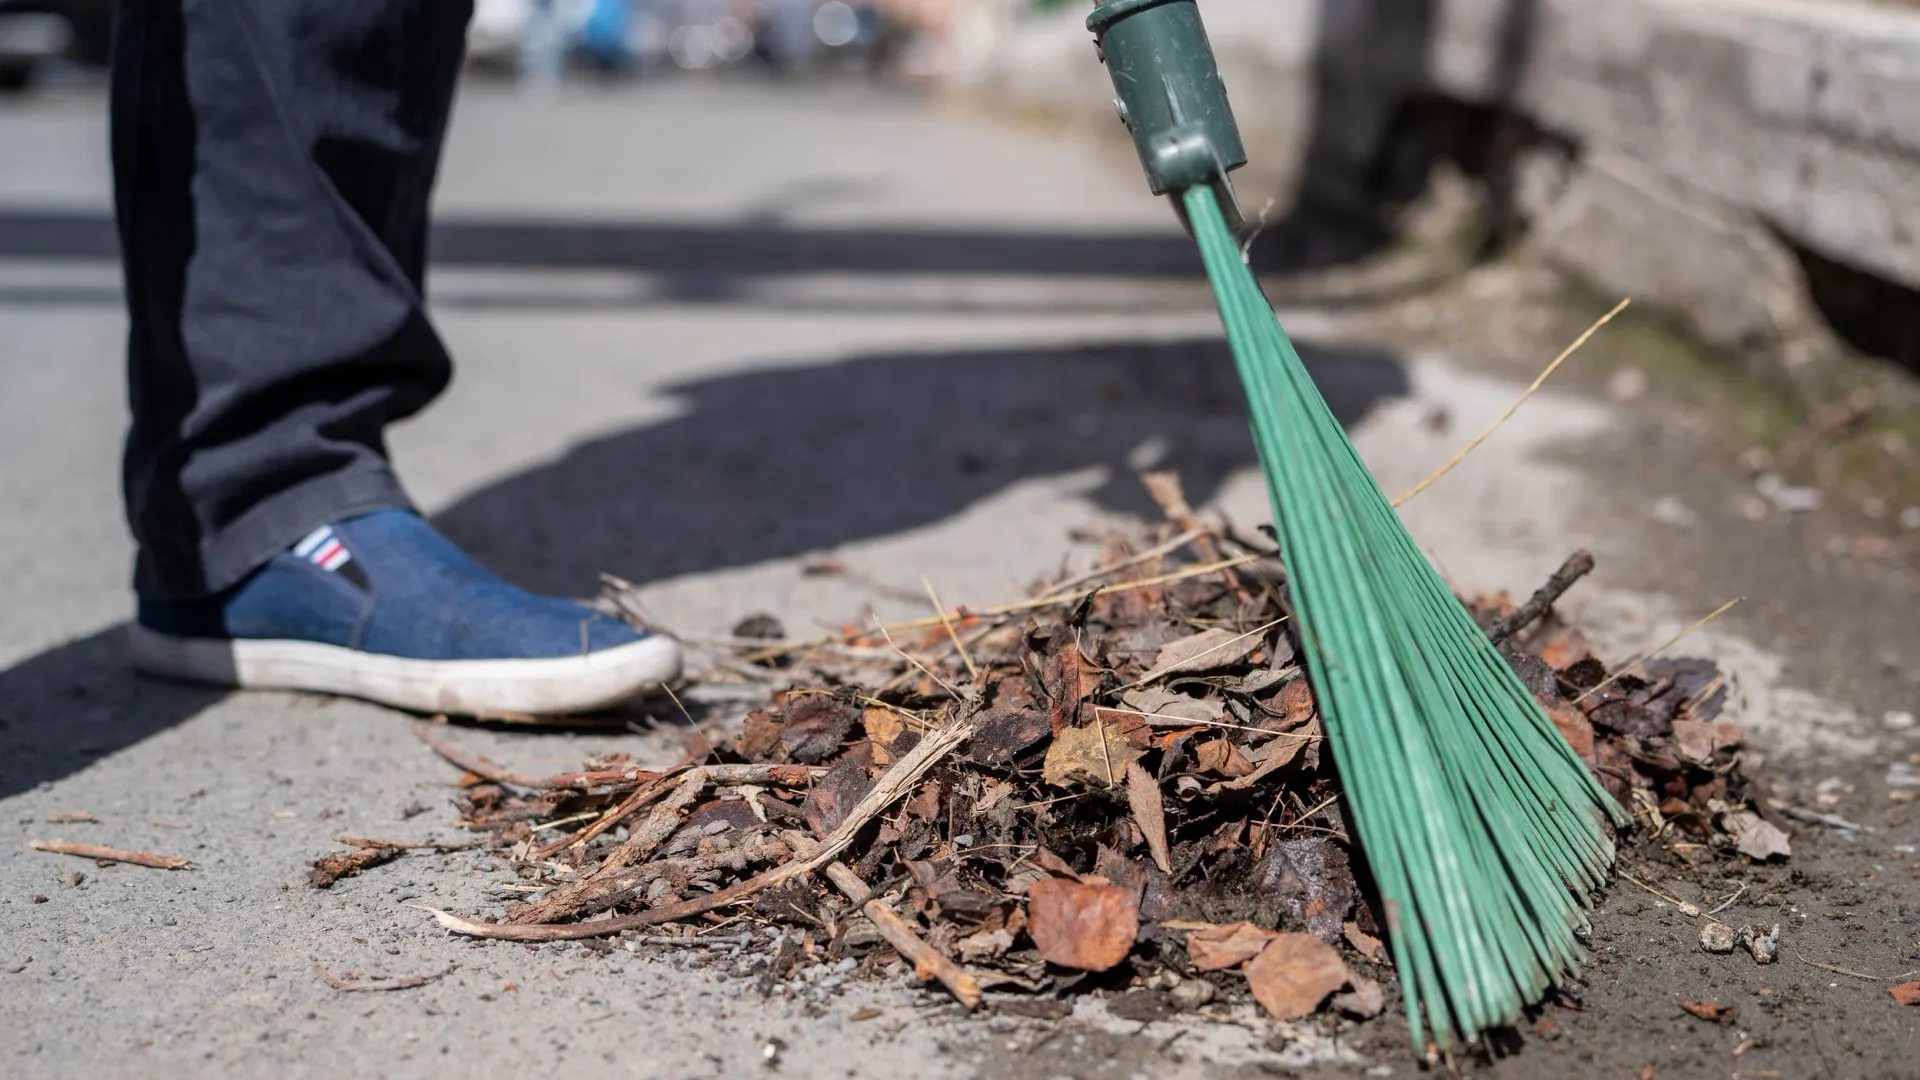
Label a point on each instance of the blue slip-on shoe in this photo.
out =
(384, 608)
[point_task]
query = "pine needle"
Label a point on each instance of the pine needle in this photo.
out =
(1481, 828)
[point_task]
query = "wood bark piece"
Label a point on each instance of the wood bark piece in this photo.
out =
(897, 781)
(331, 868)
(95, 851)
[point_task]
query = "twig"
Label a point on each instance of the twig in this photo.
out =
(405, 982)
(606, 891)
(927, 961)
(1515, 407)
(1578, 565)
(1016, 608)
(95, 851)
(1728, 902)
(1854, 974)
(1188, 722)
(407, 845)
(1664, 646)
(1686, 908)
(896, 781)
(557, 822)
(972, 671)
(1815, 817)
(571, 901)
(719, 775)
(1153, 552)
(915, 661)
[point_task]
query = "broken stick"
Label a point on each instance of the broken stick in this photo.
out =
(95, 851)
(928, 962)
(1578, 565)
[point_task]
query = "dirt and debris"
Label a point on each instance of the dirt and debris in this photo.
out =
(331, 868)
(1120, 784)
(1711, 1011)
(354, 984)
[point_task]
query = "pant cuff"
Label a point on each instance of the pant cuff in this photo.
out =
(276, 524)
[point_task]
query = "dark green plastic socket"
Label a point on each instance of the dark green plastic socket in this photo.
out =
(1170, 95)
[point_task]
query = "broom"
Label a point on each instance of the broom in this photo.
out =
(1483, 831)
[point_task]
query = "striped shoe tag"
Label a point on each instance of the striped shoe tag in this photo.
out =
(323, 549)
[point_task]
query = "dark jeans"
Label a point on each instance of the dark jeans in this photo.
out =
(272, 162)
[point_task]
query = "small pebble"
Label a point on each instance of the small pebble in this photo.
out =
(1716, 938)
(1764, 947)
(1192, 994)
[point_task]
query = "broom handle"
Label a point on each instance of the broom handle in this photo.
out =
(1170, 96)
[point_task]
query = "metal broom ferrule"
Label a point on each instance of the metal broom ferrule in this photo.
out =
(1170, 96)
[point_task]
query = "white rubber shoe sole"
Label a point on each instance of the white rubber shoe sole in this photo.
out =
(554, 686)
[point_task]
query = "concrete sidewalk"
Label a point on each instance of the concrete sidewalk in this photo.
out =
(707, 333)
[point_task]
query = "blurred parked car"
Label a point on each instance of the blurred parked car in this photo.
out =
(35, 31)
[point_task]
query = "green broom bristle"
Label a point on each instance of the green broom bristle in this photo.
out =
(1483, 830)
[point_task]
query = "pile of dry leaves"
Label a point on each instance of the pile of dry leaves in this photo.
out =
(1120, 783)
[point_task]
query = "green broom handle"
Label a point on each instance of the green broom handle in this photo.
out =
(1168, 90)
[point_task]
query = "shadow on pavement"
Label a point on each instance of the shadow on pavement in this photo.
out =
(777, 462)
(70, 706)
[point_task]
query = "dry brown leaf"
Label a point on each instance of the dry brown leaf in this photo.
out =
(1574, 727)
(1699, 741)
(1568, 649)
(984, 945)
(1220, 947)
(1170, 707)
(814, 727)
(1077, 925)
(1004, 733)
(1756, 837)
(836, 792)
(1207, 650)
(1076, 756)
(883, 725)
(1143, 797)
(1294, 974)
(1222, 757)
(1274, 756)
(1296, 703)
(1364, 943)
(1711, 1010)
(1907, 993)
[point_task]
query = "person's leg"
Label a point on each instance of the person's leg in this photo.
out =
(272, 163)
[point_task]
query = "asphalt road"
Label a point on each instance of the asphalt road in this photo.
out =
(707, 334)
